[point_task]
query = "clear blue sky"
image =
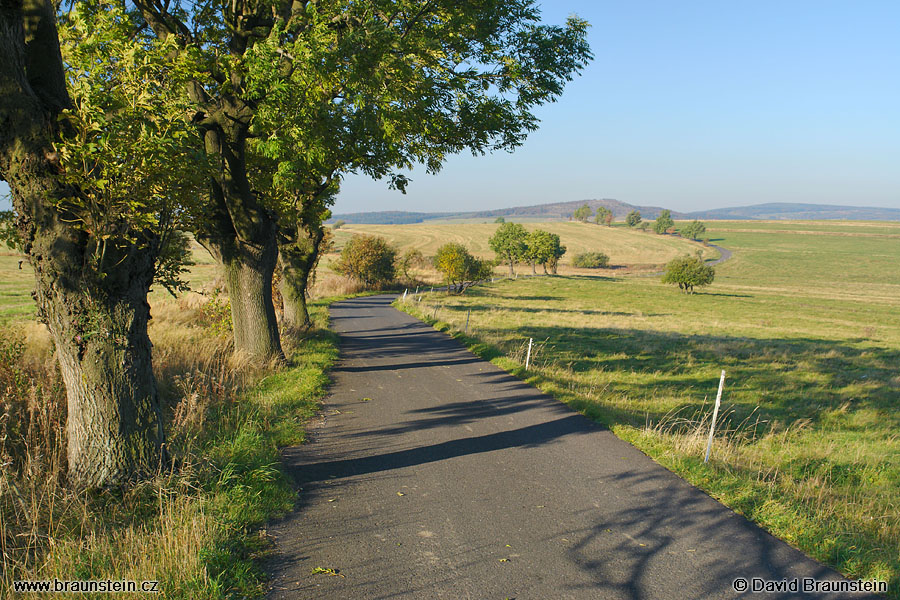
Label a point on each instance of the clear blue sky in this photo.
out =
(693, 105)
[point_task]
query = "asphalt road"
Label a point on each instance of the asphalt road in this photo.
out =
(433, 474)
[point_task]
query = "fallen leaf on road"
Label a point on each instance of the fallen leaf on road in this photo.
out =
(324, 571)
(400, 494)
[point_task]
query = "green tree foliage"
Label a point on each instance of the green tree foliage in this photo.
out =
(688, 272)
(663, 222)
(693, 230)
(633, 218)
(369, 259)
(338, 224)
(460, 269)
(410, 259)
(591, 260)
(582, 213)
(604, 216)
(499, 220)
(100, 162)
(509, 244)
(544, 249)
(292, 96)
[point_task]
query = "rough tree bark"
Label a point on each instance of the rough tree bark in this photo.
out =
(299, 249)
(240, 233)
(96, 310)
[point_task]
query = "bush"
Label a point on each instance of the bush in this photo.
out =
(461, 270)
(633, 218)
(368, 259)
(591, 260)
(693, 230)
(663, 222)
(687, 272)
(338, 224)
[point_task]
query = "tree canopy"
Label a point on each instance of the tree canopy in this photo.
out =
(368, 259)
(633, 218)
(544, 248)
(460, 269)
(693, 230)
(688, 272)
(663, 222)
(509, 242)
(582, 213)
(604, 216)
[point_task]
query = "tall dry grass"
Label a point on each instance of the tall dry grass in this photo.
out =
(160, 529)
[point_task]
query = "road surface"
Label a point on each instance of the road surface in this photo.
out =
(434, 474)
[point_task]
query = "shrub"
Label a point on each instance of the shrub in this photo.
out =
(591, 260)
(693, 230)
(461, 270)
(368, 259)
(633, 218)
(663, 222)
(338, 224)
(687, 272)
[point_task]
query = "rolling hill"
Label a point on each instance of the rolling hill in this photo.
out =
(561, 211)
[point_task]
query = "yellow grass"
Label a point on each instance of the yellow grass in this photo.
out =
(625, 247)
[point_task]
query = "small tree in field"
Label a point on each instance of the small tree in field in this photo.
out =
(687, 272)
(693, 230)
(633, 218)
(509, 244)
(544, 249)
(604, 216)
(461, 270)
(663, 222)
(582, 214)
(368, 259)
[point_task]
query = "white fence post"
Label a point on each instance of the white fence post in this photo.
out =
(712, 427)
(528, 356)
(467, 321)
(404, 294)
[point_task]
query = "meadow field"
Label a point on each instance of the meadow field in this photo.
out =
(804, 319)
(627, 248)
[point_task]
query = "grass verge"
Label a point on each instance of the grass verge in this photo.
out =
(194, 529)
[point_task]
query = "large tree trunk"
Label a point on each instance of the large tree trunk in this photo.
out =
(96, 310)
(299, 254)
(295, 275)
(241, 234)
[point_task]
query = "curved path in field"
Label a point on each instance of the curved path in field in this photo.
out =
(434, 474)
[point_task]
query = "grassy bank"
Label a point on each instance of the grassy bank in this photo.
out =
(195, 528)
(804, 320)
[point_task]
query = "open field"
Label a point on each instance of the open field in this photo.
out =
(805, 320)
(625, 247)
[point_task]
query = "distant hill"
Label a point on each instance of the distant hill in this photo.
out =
(561, 211)
(807, 212)
(554, 211)
(387, 217)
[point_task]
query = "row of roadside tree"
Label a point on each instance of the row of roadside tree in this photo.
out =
(123, 122)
